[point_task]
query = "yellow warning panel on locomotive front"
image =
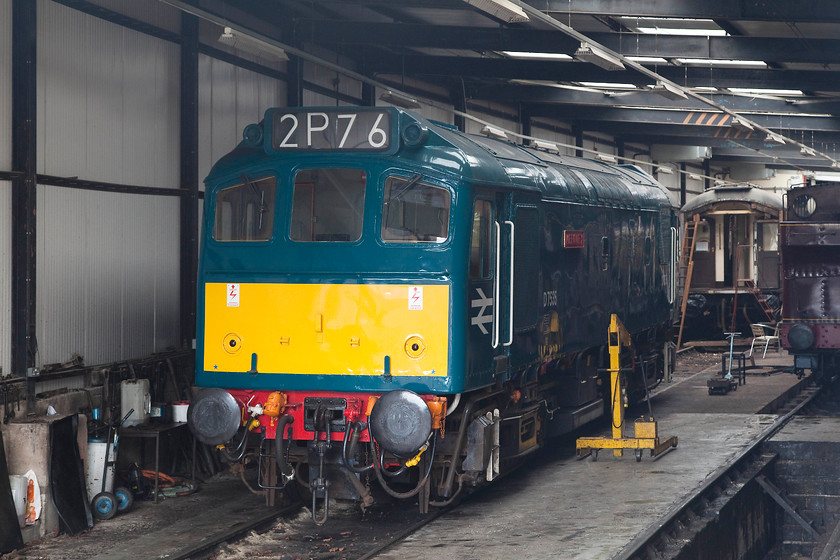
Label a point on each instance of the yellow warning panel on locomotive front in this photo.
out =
(327, 329)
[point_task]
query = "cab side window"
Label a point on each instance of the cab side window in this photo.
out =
(245, 212)
(482, 238)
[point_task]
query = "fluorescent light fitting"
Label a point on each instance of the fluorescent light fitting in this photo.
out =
(598, 57)
(500, 9)
(806, 151)
(608, 85)
(665, 170)
(400, 100)
(536, 55)
(239, 40)
(647, 59)
(694, 176)
(493, 132)
(547, 146)
(721, 62)
(668, 91)
(740, 124)
(767, 91)
(776, 138)
(682, 31)
(606, 157)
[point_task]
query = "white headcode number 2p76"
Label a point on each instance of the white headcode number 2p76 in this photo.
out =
(321, 130)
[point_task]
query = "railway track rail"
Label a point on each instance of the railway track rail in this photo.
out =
(673, 530)
(290, 533)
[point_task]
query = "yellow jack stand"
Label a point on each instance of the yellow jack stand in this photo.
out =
(646, 431)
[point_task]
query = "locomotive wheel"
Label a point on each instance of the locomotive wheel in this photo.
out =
(125, 499)
(104, 506)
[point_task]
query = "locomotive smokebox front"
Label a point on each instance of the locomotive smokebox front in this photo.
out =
(401, 422)
(214, 417)
(801, 337)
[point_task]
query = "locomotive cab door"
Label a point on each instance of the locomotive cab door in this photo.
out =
(483, 331)
(504, 286)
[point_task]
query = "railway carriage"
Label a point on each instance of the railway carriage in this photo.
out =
(810, 243)
(736, 252)
(384, 297)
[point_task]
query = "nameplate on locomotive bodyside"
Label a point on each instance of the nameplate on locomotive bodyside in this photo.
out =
(573, 239)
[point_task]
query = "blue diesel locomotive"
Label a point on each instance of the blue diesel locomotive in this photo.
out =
(385, 297)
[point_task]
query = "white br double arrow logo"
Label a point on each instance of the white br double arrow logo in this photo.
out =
(481, 319)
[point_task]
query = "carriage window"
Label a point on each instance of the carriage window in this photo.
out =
(414, 212)
(245, 212)
(482, 238)
(702, 239)
(328, 205)
(769, 240)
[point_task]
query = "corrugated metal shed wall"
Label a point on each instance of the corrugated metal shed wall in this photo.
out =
(108, 105)
(108, 283)
(108, 266)
(230, 98)
(331, 80)
(153, 12)
(5, 187)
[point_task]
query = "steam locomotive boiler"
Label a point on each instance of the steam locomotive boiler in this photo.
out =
(810, 243)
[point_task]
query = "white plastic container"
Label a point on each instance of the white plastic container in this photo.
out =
(179, 411)
(19, 484)
(134, 393)
(96, 467)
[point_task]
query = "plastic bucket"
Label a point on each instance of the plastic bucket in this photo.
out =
(179, 411)
(19, 484)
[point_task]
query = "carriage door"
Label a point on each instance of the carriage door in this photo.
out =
(767, 254)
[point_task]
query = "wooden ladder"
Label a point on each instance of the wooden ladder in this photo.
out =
(686, 268)
(762, 301)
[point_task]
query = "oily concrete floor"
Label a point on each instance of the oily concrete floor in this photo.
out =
(580, 509)
(163, 530)
(559, 508)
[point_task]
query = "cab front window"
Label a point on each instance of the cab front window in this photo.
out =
(245, 212)
(414, 211)
(328, 204)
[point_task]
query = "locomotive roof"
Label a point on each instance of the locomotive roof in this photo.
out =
(555, 176)
(483, 160)
(742, 195)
